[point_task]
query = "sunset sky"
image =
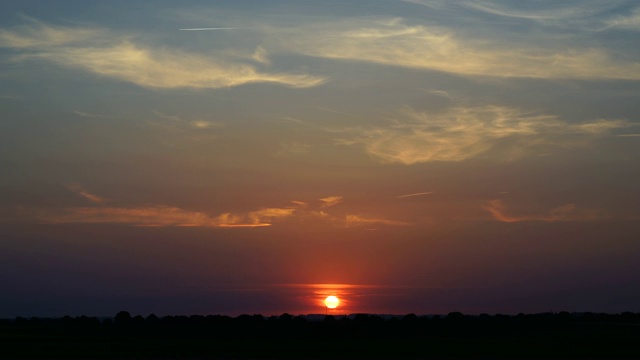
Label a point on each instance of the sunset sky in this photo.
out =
(236, 156)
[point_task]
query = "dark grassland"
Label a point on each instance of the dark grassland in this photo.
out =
(586, 335)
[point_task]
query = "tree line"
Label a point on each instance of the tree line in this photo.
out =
(563, 333)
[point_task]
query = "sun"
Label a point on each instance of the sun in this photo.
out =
(331, 302)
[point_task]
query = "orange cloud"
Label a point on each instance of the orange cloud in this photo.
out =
(167, 216)
(565, 213)
(164, 216)
(269, 214)
(357, 220)
(464, 132)
(416, 194)
(331, 201)
(79, 190)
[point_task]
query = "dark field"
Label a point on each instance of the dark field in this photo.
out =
(365, 336)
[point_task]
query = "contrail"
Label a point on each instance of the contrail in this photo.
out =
(201, 29)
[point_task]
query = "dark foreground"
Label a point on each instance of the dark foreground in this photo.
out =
(360, 336)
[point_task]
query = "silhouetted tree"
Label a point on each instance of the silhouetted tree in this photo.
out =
(285, 317)
(122, 320)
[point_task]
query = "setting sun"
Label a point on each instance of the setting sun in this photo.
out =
(331, 302)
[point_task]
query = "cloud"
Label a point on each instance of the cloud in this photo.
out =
(463, 133)
(269, 214)
(627, 22)
(259, 218)
(201, 124)
(581, 15)
(171, 216)
(433, 4)
(36, 34)
(415, 194)
(331, 201)
(105, 54)
(394, 42)
(260, 55)
(163, 216)
(174, 122)
(207, 29)
(565, 213)
(81, 191)
(89, 115)
(153, 68)
(555, 13)
(357, 220)
(140, 216)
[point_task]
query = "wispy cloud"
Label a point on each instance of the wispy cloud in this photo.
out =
(201, 124)
(628, 22)
(172, 216)
(580, 15)
(545, 13)
(259, 218)
(415, 194)
(151, 68)
(463, 133)
(175, 122)
(209, 29)
(433, 4)
(156, 215)
(357, 220)
(106, 54)
(81, 191)
(139, 216)
(331, 201)
(89, 115)
(260, 55)
(565, 213)
(395, 42)
(270, 214)
(36, 34)
(163, 216)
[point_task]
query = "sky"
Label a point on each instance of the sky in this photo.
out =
(241, 157)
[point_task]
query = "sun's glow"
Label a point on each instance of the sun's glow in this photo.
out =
(332, 302)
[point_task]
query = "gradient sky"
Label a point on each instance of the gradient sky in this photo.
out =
(419, 156)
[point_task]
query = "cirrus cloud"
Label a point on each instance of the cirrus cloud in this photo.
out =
(565, 213)
(82, 192)
(331, 201)
(104, 53)
(463, 133)
(357, 220)
(394, 42)
(160, 215)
